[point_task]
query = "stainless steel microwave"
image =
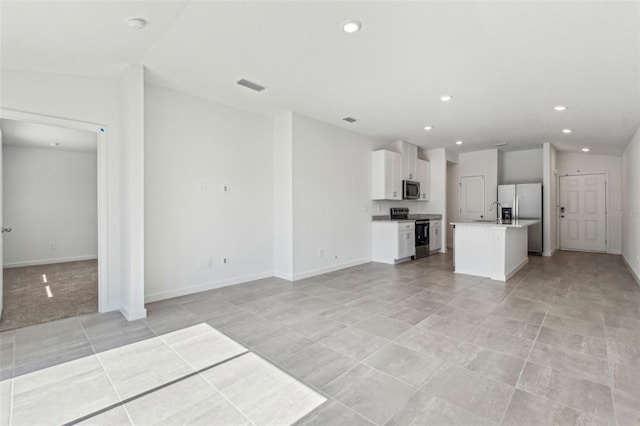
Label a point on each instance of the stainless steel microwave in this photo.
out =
(410, 190)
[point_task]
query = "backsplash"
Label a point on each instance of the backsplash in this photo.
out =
(415, 207)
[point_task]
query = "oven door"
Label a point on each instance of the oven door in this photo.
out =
(422, 238)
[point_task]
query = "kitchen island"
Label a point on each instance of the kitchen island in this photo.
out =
(491, 250)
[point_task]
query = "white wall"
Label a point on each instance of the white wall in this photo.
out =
(88, 99)
(437, 203)
(521, 167)
(192, 148)
(631, 204)
(549, 200)
(452, 200)
(283, 195)
(132, 284)
(482, 163)
(571, 163)
(331, 197)
(49, 197)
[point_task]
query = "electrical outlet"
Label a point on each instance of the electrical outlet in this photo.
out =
(210, 262)
(225, 261)
(321, 252)
(203, 263)
(203, 187)
(225, 188)
(52, 245)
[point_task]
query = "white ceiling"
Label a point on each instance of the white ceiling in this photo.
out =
(32, 135)
(506, 63)
(86, 37)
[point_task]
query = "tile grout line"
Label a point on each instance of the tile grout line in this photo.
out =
(106, 373)
(13, 379)
(152, 390)
(611, 384)
(524, 366)
(443, 361)
(227, 399)
(276, 365)
(203, 377)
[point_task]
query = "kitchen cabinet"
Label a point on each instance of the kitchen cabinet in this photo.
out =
(423, 175)
(393, 241)
(386, 181)
(435, 235)
(409, 162)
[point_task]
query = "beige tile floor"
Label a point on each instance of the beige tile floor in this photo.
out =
(558, 344)
(240, 388)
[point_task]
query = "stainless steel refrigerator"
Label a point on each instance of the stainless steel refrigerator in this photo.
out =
(526, 201)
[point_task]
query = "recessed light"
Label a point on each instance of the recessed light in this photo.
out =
(351, 26)
(136, 24)
(567, 131)
(350, 119)
(458, 142)
(585, 150)
(501, 144)
(427, 128)
(55, 144)
(446, 98)
(560, 108)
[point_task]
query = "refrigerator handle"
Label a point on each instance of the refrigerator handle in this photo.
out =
(516, 214)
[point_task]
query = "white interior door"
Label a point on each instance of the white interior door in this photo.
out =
(471, 198)
(582, 213)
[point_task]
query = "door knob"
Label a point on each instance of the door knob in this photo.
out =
(6, 230)
(561, 215)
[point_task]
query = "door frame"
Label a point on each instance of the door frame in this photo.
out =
(606, 208)
(101, 132)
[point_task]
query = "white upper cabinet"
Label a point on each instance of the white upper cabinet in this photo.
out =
(409, 161)
(386, 181)
(423, 175)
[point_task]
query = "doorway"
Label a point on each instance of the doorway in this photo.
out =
(53, 258)
(471, 198)
(583, 222)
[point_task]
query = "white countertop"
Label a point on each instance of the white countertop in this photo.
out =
(522, 223)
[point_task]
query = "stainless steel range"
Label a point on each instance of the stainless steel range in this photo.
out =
(422, 230)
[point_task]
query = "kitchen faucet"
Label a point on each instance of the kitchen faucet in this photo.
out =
(498, 205)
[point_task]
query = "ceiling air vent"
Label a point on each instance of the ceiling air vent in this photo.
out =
(350, 119)
(250, 85)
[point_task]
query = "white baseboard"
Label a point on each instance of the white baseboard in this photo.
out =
(331, 268)
(204, 287)
(614, 252)
(133, 314)
(109, 308)
(513, 271)
(283, 275)
(549, 253)
(633, 273)
(48, 261)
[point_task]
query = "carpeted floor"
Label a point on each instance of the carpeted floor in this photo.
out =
(73, 285)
